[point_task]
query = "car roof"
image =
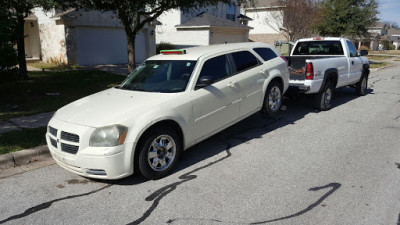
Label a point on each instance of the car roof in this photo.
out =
(194, 53)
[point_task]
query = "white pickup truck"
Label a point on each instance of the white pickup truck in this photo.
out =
(320, 65)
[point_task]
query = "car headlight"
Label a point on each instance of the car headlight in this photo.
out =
(108, 136)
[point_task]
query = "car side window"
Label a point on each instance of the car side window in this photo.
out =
(218, 68)
(244, 60)
(352, 49)
(265, 53)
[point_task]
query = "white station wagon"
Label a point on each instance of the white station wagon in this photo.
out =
(166, 105)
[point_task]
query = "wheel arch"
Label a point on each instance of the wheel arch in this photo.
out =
(330, 75)
(165, 122)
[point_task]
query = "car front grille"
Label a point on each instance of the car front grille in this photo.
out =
(72, 149)
(53, 142)
(69, 137)
(53, 131)
(66, 142)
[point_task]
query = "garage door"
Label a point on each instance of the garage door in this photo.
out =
(106, 46)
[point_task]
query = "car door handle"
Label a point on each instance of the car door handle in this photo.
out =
(233, 84)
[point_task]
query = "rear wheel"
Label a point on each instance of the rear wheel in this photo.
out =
(272, 99)
(159, 152)
(362, 85)
(323, 98)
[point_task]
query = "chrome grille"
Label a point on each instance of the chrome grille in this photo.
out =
(69, 148)
(53, 142)
(53, 131)
(69, 137)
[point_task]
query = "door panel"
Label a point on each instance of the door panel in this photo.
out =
(215, 106)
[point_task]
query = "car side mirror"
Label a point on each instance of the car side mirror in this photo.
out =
(204, 81)
(363, 52)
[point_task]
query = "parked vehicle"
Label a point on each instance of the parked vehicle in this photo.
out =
(169, 103)
(320, 65)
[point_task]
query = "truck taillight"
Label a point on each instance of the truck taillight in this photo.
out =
(309, 71)
(284, 59)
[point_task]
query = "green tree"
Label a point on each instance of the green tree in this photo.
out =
(8, 55)
(349, 18)
(135, 14)
(20, 9)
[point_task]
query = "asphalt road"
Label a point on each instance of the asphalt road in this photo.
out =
(303, 167)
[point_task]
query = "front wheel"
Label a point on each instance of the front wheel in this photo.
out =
(323, 98)
(273, 99)
(159, 152)
(362, 85)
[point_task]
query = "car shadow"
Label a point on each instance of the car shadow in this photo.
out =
(256, 126)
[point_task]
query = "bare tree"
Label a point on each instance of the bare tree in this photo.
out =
(294, 18)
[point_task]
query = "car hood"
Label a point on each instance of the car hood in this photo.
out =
(112, 106)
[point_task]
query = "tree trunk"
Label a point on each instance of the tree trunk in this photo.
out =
(23, 73)
(131, 52)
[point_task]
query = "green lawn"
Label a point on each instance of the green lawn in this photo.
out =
(379, 65)
(389, 52)
(18, 140)
(378, 58)
(49, 66)
(48, 91)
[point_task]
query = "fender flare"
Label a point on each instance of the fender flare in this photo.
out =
(327, 75)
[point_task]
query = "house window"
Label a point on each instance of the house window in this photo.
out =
(230, 12)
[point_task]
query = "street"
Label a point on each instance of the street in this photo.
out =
(340, 166)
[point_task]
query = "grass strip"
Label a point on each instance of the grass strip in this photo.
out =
(17, 140)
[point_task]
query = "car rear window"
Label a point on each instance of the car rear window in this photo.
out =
(318, 48)
(244, 60)
(265, 53)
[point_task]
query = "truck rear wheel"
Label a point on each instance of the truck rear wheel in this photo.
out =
(323, 98)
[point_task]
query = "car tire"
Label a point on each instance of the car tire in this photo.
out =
(323, 99)
(362, 85)
(159, 152)
(272, 99)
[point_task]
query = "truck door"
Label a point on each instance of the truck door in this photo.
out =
(355, 64)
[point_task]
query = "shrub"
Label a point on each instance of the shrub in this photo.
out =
(164, 46)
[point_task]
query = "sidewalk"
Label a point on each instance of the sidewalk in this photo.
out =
(21, 161)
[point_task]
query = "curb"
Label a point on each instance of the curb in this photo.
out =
(23, 157)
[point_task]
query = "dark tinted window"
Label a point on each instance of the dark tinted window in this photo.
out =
(265, 53)
(244, 60)
(160, 76)
(217, 67)
(318, 48)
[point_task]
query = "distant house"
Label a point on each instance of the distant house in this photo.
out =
(205, 26)
(379, 33)
(394, 35)
(259, 11)
(83, 38)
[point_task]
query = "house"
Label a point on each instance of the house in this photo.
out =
(394, 35)
(184, 27)
(259, 11)
(380, 33)
(83, 38)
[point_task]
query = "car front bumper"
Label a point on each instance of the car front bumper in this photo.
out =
(75, 154)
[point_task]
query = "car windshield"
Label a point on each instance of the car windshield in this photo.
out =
(160, 76)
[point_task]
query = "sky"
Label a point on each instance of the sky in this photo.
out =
(389, 11)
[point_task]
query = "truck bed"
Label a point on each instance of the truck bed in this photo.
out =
(297, 65)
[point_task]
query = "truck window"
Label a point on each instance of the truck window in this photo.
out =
(318, 48)
(244, 60)
(352, 49)
(265, 53)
